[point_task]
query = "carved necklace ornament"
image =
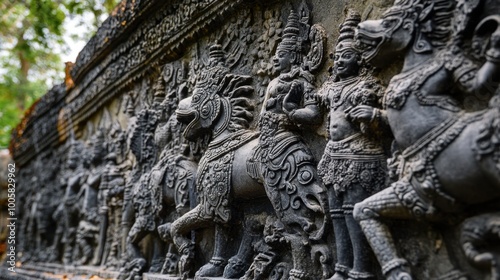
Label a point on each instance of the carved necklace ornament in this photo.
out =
(405, 84)
(334, 97)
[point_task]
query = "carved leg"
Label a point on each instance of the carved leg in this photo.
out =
(215, 267)
(158, 254)
(342, 240)
(384, 204)
(362, 257)
(135, 235)
(180, 228)
(238, 264)
(85, 250)
(69, 246)
(54, 256)
(126, 225)
(300, 255)
(115, 249)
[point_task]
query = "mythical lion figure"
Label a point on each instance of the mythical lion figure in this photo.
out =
(219, 112)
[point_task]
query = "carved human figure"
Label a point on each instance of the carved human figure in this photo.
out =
(77, 173)
(353, 165)
(88, 226)
(282, 159)
(44, 212)
(427, 121)
(113, 186)
(128, 209)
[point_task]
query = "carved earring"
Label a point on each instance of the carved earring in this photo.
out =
(421, 45)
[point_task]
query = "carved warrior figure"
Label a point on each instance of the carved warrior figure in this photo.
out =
(427, 121)
(353, 164)
(220, 111)
(282, 160)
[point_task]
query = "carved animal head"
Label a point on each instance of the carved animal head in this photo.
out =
(217, 106)
(420, 24)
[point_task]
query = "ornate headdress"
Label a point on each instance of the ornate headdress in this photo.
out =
(291, 34)
(347, 30)
(159, 90)
(216, 70)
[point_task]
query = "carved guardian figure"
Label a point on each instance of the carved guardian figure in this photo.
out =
(353, 165)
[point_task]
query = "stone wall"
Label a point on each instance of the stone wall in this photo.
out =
(216, 138)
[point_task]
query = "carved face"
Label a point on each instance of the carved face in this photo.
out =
(283, 61)
(380, 40)
(346, 63)
(198, 112)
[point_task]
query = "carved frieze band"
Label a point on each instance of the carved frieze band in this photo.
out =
(161, 37)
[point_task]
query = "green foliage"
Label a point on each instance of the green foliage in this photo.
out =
(33, 35)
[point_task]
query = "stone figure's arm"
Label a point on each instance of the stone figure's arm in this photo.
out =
(368, 114)
(125, 166)
(310, 113)
(369, 109)
(486, 79)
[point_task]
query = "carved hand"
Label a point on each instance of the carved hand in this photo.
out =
(493, 54)
(485, 259)
(293, 97)
(362, 113)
